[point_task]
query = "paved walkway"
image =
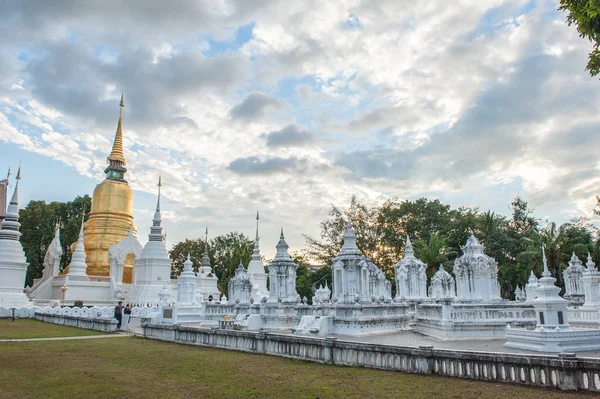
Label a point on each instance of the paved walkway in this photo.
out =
(116, 335)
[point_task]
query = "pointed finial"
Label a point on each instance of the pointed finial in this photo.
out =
(82, 220)
(116, 154)
(158, 200)
(281, 236)
(188, 257)
(18, 175)
(206, 234)
(8, 174)
(122, 105)
(257, 217)
(546, 272)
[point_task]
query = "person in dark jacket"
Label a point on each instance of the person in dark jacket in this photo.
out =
(119, 314)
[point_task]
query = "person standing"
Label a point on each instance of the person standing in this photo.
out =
(126, 316)
(119, 314)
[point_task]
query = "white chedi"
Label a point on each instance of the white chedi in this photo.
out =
(240, 286)
(256, 270)
(282, 275)
(476, 274)
(551, 309)
(411, 276)
(591, 284)
(356, 278)
(573, 278)
(442, 285)
(78, 265)
(531, 288)
(13, 264)
(207, 281)
(186, 283)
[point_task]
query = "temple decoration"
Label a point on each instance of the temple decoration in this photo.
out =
(256, 270)
(442, 285)
(240, 286)
(476, 274)
(573, 278)
(282, 275)
(411, 277)
(356, 278)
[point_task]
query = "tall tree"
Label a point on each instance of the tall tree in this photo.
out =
(434, 253)
(585, 14)
(38, 220)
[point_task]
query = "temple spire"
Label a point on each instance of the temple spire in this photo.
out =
(116, 168)
(158, 200)
(9, 229)
(408, 248)
(156, 229)
(546, 272)
(256, 249)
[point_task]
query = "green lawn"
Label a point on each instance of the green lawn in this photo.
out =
(30, 328)
(131, 367)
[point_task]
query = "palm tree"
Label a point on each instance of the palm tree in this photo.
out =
(433, 253)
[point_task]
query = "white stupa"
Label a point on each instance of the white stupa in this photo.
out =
(153, 268)
(256, 271)
(78, 265)
(13, 264)
(207, 281)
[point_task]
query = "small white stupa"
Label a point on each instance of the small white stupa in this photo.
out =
(591, 284)
(78, 265)
(187, 284)
(256, 271)
(531, 288)
(207, 281)
(13, 264)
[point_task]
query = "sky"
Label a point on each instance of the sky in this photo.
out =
(291, 107)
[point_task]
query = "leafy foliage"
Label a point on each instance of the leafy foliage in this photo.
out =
(438, 233)
(585, 14)
(38, 220)
(225, 253)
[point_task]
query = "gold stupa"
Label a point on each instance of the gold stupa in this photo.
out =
(110, 218)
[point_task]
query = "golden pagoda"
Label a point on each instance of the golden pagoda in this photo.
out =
(110, 218)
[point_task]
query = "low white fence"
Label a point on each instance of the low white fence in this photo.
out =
(564, 371)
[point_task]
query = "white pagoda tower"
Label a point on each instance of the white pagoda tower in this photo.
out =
(13, 264)
(256, 271)
(207, 281)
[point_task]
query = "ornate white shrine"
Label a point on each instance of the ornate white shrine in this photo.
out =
(207, 280)
(240, 286)
(282, 275)
(411, 276)
(356, 278)
(573, 278)
(442, 285)
(476, 274)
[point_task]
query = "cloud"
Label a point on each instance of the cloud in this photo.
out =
(255, 166)
(254, 106)
(289, 136)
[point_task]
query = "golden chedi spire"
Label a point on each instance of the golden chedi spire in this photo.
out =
(116, 160)
(111, 217)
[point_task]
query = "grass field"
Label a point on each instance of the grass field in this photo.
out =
(130, 367)
(29, 328)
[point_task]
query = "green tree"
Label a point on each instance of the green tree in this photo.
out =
(434, 253)
(225, 253)
(585, 14)
(38, 220)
